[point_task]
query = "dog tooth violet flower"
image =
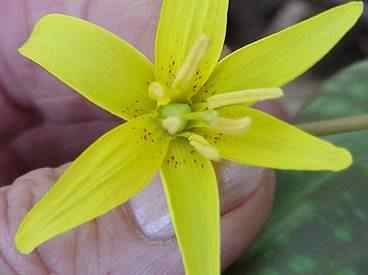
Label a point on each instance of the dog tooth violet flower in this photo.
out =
(184, 111)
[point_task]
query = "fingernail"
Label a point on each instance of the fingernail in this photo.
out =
(237, 182)
(149, 209)
(150, 212)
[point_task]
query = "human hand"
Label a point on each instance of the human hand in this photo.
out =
(43, 123)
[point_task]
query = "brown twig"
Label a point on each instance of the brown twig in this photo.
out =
(336, 126)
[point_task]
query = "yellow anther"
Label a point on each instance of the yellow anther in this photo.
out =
(232, 126)
(241, 97)
(202, 146)
(158, 92)
(191, 63)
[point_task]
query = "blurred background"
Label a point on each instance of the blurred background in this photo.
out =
(319, 223)
(251, 20)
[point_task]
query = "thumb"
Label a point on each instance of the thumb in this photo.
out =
(136, 238)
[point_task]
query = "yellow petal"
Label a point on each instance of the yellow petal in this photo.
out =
(107, 174)
(277, 59)
(182, 24)
(94, 62)
(192, 194)
(270, 142)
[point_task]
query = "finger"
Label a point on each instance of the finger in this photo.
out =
(242, 224)
(134, 21)
(246, 199)
(139, 230)
(39, 112)
(135, 238)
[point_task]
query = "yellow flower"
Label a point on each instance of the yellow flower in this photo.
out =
(183, 112)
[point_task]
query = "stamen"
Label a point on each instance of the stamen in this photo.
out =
(158, 92)
(202, 146)
(191, 63)
(241, 97)
(232, 126)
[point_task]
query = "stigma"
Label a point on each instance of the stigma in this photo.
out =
(172, 117)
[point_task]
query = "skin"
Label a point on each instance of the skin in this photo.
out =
(45, 124)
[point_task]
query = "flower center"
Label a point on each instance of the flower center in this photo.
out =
(179, 118)
(173, 118)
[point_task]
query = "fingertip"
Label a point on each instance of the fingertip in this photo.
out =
(241, 226)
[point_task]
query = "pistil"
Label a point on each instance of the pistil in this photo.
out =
(174, 124)
(172, 117)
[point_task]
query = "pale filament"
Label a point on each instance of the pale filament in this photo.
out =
(191, 63)
(243, 97)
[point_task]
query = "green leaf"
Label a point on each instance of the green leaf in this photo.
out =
(344, 95)
(320, 220)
